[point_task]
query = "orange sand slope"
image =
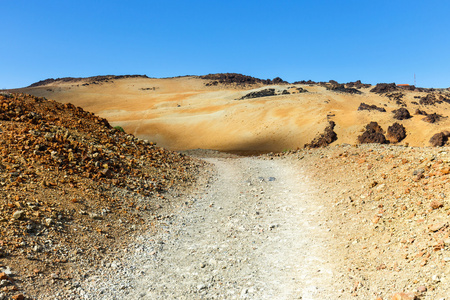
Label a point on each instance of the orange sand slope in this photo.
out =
(184, 113)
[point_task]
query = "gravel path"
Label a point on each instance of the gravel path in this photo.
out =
(255, 232)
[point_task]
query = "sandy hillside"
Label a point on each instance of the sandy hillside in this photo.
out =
(190, 112)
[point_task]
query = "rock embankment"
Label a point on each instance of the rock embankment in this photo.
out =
(72, 189)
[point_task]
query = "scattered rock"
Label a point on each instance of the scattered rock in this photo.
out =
(373, 134)
(381, 88)
(19, 214)
(397, 97)
(239, 79)
(364, 106)
(437, 226)
(435, 204)
(421, 112)
(401, 114)
(4, 276)
(422, 289)
(432, 118)
(337, 87)
(357, 84)
(439, 139)
(258, 94)
(396, 133)
(403, 296)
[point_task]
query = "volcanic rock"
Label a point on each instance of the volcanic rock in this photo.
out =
(401, 114)
(278, 80)
(382, 88)
(432, 118)
(373, 134)
(238, 79)
(364, 106)
(337, 87)
(357, 84)
(324, 139)
(439, 139)
(93, 79)
(396, 133)
(421, 112)
(429, 99)
(258, 94)
(397, 97)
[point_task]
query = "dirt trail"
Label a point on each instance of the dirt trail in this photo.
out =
(256, 233)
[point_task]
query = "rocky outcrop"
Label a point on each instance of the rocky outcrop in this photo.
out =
(364, 106)
(309, 82)
(432, 99)
(397, 97)
(421, 112)
(357, 85)
(93, 79)
(239, 79)
(382, 88)
(401, 114)
(324, 139)
(439, 139)
(432, 118)
(396, 133)
(269, 92)
(337, 87)
(259, 94)
(373, 134)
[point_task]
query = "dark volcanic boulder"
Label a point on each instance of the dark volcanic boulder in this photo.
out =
(381, 88)
(325, 138)
(401, 114)
(357, 84)
(373, 134)
(429, 99)
(234, 78)
(364, 106)
(278, 80)
(432, 118)
(258, 94)
(397, 97)
(396, 133)
(421, 112)
(310, 82)
(337, 87)
(439, 139)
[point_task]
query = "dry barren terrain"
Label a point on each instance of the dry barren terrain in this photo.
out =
(231, 114)
(91, 212)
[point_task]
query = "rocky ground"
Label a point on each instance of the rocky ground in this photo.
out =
(388, 211)
(72, 191)
(343, 222)
(90, 212)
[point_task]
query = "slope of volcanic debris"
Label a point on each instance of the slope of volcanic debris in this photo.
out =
(238, 79)
(72, 189)
(104, 78)
(390, 217)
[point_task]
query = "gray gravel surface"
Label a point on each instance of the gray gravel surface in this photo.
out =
(256, 231)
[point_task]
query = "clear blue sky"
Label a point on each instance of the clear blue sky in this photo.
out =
(374, 41)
